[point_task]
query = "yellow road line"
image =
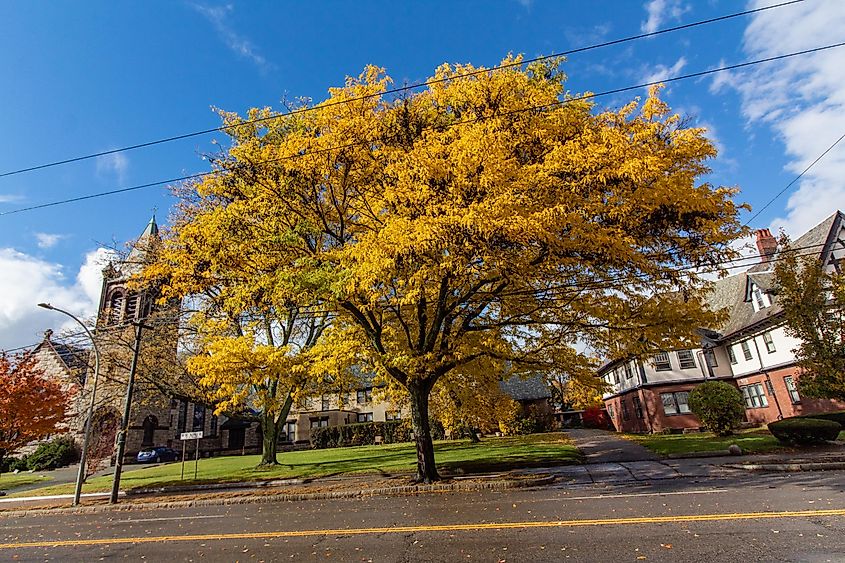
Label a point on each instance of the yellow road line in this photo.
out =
(434, 528)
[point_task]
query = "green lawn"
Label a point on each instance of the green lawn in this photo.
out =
(755, 440)
(9, 480)
(492, 454)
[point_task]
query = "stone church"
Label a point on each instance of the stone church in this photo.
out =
(157, 417)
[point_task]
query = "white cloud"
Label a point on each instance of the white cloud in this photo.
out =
(659, 73)
(802, 100)
(660, 11)
(27, 281)
(11, 198)
(239, 44)
(115, 163)
(48, 240)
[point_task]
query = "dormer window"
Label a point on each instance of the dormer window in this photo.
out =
(758, 298)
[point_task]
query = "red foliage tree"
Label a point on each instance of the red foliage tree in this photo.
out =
(596, 417)
(31, 406)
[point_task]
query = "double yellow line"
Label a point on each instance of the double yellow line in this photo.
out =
(433, 528)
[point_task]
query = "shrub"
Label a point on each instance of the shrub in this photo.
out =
(799, 430)
(56, 453)
(9, 464)
(718, 405)
(364, 433)
(596, 417)
(838, 416)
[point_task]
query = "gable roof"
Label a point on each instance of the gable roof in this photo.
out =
(527, 388)
(73, 359)
(734, 292)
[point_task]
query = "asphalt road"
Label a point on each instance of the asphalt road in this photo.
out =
(772, 517)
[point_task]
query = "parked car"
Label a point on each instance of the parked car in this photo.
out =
(157, 455)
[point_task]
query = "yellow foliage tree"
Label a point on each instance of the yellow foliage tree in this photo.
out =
(486, 217)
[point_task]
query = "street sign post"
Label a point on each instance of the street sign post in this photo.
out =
(185, 436)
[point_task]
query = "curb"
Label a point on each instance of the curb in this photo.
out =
(790, 467)
(288, 497)
(696, 455)
(215, 487)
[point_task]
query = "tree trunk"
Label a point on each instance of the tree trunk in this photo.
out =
(426, 469)
(270, 427)
(270, 435)
(473, 435)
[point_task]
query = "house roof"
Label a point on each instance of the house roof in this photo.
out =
(733, 292)
(73, 359)
(527, 388)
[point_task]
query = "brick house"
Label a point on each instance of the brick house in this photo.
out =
(750, 350)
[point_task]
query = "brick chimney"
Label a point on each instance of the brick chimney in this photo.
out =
(767, 245)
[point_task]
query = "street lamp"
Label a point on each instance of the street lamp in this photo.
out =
(80, 476)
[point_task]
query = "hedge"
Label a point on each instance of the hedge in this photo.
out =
(364, 433)
(805, 430)
(838, 416)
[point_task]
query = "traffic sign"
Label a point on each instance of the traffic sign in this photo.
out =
(190, 435)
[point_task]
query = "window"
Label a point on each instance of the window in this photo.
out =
(365, 417)
(392, 415)
(364, 396)
(320, 422)
(792, 389)
(731, 354)
(616, 375)
(115, 308)
(685, 359)
(131, 307)
(759, 299)
(770, 344)
(755, 396)
(183, 416)
(324, 403)
(610, 410)
(638, 407)
(625, 415)
(289, 431)
(710, 358)
(746, 351)
(662, 362)
(212, 431)
(199, 418)
(629, 373)
(675, 403)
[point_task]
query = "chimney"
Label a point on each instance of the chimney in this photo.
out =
(48, 333)
(766, 244)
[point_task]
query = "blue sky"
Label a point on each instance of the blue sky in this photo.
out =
(82, 77)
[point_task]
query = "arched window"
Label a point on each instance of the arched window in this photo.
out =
(150, 424)
(115, 308)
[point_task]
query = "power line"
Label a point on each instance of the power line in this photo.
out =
(790, 184)
(609, 283)
(465, 122)
(402, 88)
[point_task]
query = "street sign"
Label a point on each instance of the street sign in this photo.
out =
(185, 436)
(190, 435)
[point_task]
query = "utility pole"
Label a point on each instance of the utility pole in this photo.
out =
(127, 406)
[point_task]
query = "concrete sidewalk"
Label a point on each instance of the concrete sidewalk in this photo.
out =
(601, 446)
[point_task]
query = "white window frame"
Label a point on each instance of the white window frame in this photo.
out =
(770, 343)
(792, 389)
(746, 351)
(364, 417)
(732, 354)
(710, 358)
(662, 362)
(686, 357)
(629, 373)
(677, 405)
(364, 396)
(755, 396)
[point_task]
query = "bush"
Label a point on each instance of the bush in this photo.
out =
(364, 433)
(718, 405)
(596, 417)
(800, 430)
(56, 453)
(10, 464)
(838, 416)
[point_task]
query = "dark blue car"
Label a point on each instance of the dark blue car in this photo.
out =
(157, 455)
